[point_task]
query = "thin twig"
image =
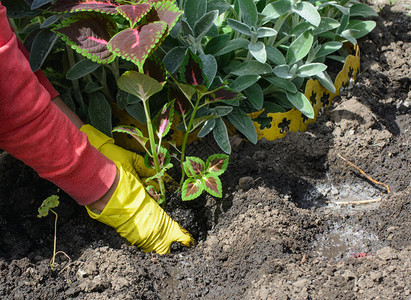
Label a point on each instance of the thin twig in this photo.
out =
(365, 175)
(357, 201)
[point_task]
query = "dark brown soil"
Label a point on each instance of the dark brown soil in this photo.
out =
(281, 230)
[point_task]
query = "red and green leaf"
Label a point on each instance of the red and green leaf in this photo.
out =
(134, 13)
(164, 159)
(156, 69)
(164, 119)
(72, 6)
(192, 188)
(167, 11)
(217, 164)
(89, 34)
(191, 70)
(134, 132)
(136, 44)
(182, 104)
(154, 194)
(194, 166)
(212, 184)
(224, 93)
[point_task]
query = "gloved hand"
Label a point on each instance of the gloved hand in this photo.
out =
(130, 210)
(131, 161)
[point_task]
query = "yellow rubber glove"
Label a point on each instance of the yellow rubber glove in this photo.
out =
(131, 211)
(133, 162)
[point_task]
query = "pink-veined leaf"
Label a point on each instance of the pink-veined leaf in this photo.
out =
(191, 70)
(71, 6)
(193, 166)
(134, 13)
(166, 11)
(136, 44)
(164, 159)
(183, 105)
(134, 132)
(217, 164)
(224, 93)
(156, 69)
(191, 189)
(212, 184)
(153, 193)
(89, 34)
(164, 119)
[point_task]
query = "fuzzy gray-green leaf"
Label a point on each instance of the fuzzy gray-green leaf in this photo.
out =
(255, 95)
(307, 11)
(300, 101)
(82, 68)
(243, 82)
(310, 69)
(99, 112)
(194, 10)
(221, 136)
(300, 47)
(203, 25)
(240, 120)
(257, 50)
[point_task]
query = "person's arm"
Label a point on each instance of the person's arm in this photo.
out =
(35, 131)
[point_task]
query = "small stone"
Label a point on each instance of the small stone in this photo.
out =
(245, 182)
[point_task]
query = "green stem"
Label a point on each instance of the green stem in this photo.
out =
(154, 152)
(105, 90)
(76, 86)
(183, 146)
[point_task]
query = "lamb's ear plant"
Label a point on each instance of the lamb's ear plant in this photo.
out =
(203, 176)
(46, 207)
(268, 49)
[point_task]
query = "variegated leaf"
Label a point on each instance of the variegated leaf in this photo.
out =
(212, 184)
(193, 166)
(134, 132)
(163, 159)
(156, 69)
(167, 11)
(217, 164)
(134, 13)
(71, 6)
(136, 44)
(192, 188)
(164, 119)
(224, 93)
(88, 34)
(191, 70)
(153, 193)
(182, 104)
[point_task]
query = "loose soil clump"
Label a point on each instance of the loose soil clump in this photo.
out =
(288, 226)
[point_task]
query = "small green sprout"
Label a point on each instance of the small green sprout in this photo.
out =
(47, 206)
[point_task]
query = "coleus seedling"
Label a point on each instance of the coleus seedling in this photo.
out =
(203, 176)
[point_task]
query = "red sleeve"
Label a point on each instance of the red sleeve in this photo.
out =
(40, 75)
(35, 131)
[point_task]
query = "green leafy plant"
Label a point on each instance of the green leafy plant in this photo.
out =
(46, 207)
(268, 49)
(203, 176)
